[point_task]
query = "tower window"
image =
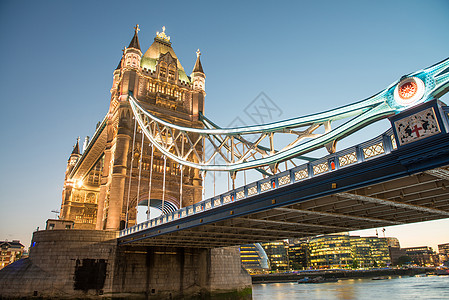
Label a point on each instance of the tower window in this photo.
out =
(163, 72)
(171, 74)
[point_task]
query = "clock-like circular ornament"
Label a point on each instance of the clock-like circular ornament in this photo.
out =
(409, 91)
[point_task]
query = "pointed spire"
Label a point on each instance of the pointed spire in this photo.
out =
(76, 148)
(198, 67)
(135, 41)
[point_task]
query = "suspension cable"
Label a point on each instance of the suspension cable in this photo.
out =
(203, 186)
(131, 172)
(180, 186)
(163, 184)
(140, 172)
(149, 182)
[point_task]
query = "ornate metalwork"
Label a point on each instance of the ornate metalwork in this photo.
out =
(373, 150)
(347, 159)
(240, 195)
(284, 180)
(321, 168)
(301, 174)
(227, 199)
(254, 147)
(252, 190)
(265, 186)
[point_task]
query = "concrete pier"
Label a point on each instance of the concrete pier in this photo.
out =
(70, 264)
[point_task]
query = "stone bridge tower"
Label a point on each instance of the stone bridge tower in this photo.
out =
(115, 167)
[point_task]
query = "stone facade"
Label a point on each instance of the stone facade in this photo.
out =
(102, 189)
(68, 264)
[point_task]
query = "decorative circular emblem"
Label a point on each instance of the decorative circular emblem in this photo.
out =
(409, 91)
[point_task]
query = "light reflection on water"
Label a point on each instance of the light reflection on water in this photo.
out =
(432, 287)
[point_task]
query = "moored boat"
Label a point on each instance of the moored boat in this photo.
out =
(318, 279)
(442, 271)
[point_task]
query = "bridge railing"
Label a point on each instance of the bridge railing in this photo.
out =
(380, 145)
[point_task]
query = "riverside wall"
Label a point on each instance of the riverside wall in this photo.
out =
(340, 274)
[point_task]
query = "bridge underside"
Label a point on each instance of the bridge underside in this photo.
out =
(416, 198)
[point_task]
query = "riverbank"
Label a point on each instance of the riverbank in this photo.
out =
(341, 274)
(397, 287)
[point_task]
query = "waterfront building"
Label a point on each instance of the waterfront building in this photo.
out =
(254, 259)
(395, 254)
(102, 180)
(344, 251)
(393, 242)
(422, 256)
(443, 251)
(298, 254)
(277, 253)
(330, 251)
(10, 252)
(379, 254)
(394, 249)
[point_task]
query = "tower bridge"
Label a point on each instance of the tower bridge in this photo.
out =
(149, 151)
(376, 183)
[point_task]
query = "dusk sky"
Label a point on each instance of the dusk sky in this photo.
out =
(57, 59)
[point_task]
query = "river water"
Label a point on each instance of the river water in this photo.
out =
(395, 288)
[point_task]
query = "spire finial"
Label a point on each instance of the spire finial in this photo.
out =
(198, 67)
(136, 28)
(162, 35)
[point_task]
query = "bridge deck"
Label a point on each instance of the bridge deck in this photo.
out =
(400, 186)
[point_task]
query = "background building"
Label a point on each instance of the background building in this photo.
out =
(298, 254)
(422, 256)
(344, 251)
(254, 259)
(277, 253)
(393, 242)
(10, 252)
(331, 251)
(443, 251)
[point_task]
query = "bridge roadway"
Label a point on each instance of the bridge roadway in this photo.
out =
(374, 184)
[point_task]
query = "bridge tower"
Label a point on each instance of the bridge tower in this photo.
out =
(160, 84)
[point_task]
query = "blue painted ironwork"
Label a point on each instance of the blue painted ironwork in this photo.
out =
(406, 161)
(409, 91)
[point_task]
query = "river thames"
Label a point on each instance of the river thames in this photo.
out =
(399, 287)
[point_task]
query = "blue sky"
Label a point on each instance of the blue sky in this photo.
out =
(57, 60)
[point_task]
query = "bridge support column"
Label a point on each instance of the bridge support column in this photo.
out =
(68, 264)
(180, 273)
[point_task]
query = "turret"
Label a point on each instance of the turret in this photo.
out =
(74, 156)
(132, 54)
(198, 79)
(198, 76)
